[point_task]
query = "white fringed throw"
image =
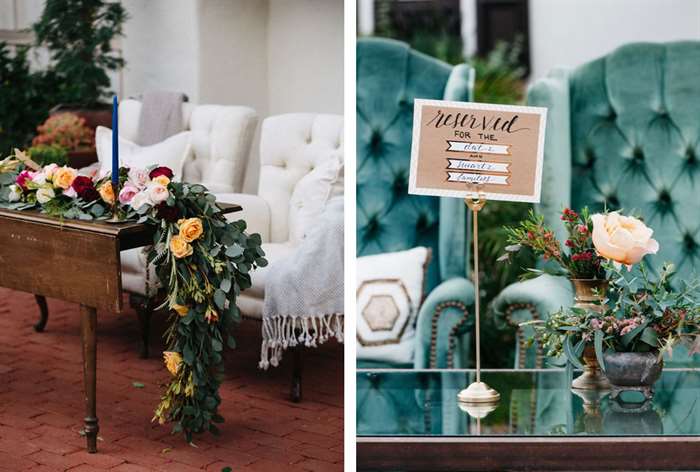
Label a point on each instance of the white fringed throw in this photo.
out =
(304, 291)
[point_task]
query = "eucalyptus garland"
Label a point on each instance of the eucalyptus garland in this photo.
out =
(202, 261)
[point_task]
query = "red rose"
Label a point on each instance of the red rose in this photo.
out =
(161, 171)
(168, 213)
(85, 188)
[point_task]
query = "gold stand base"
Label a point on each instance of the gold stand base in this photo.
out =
(479, 392)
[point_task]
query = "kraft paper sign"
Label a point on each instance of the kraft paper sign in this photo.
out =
(461, 148)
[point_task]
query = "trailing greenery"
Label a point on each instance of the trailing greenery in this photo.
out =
(79, 35)
(202, 261)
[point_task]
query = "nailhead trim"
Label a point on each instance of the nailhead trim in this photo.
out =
(453, 332)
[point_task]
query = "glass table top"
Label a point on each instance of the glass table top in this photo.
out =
(415, 403)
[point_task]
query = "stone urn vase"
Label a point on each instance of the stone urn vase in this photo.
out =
(635, 371)
(590, 295)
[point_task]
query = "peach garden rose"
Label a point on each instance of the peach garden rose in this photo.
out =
(180, 247)
(622, 239)
(63, 177)
(190, 229)
(107, 192)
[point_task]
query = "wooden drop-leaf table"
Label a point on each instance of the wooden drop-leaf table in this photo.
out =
(75, 261)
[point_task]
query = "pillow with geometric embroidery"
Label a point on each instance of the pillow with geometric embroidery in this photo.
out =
(389, 294)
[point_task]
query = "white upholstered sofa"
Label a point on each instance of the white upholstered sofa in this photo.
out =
(293, 148)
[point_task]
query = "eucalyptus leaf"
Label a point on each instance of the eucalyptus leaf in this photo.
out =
(598, 337)
(234, 251)
(225, 285)
(570, 353)
(220, 298)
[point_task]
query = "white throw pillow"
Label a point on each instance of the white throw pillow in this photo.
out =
(311, 194)
(389, 294)
(172, 153)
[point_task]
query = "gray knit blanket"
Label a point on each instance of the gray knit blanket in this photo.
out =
(304, 291)
(161, 117)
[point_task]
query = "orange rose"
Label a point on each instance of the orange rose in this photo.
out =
(622, 239)
(173, 361)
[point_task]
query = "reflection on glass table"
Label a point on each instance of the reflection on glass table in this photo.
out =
(533, 403)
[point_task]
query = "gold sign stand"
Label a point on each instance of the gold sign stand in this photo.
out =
(478, 392)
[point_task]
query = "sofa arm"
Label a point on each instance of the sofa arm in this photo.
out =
(256, 212)
(531, 300)
(443, 328)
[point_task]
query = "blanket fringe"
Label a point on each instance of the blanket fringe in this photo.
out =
(280, 332)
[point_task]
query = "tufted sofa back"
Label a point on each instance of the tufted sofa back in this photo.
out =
(389, 77)
(221, 141)
(291, 145)
(635, 142)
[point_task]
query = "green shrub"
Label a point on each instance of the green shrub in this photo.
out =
(44, 154)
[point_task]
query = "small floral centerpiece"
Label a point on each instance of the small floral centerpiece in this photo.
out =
(202, 260)
(615, 313)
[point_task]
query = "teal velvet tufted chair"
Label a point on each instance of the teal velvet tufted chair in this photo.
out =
(389, 77)
(623, 131)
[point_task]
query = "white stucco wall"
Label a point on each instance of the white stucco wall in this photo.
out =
(161, 47)
(570, 32)
(305, 56)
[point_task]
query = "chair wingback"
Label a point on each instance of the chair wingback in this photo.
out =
(635, 141)
(291, 145)
(221, 140)
(389, 77)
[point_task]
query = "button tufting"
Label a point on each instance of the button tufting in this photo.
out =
(612, 201)
(689, 243)
(400, 184)
(690, 156)
(372, 227)
(664, 197)
(637, 155)
(375, 142)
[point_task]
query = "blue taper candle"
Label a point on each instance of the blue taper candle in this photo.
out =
(115, 142)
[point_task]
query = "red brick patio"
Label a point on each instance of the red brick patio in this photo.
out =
(41, 401)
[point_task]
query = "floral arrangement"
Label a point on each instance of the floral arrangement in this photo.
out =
(67, 130)
(642, 315)
(202, 261)
(591, 239)
(645, 316)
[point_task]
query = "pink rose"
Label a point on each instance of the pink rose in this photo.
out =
(70, 192)
(138, 178)
(127, 193)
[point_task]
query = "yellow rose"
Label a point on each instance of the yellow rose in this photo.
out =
(180, 247)
(163, 180)
(191, 229)
(622, 239)
(173, 361)
(181, 310)
(63, 177)
(107, 192)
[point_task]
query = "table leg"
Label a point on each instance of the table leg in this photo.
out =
(88, 337)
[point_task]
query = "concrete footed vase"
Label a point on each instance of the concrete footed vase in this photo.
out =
(633, 371)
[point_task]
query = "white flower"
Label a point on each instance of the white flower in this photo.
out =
(138, 178)
(140, 199)
(15, 193)
(157, 192)
(44, 195)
